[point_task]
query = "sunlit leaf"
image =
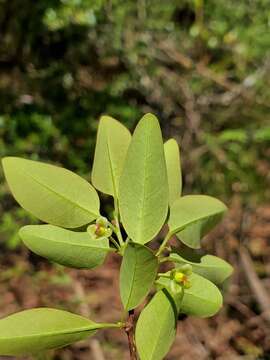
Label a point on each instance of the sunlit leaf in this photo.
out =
(113, 140)
(143, 191)
(53, 194)
(193, 216)
(156, 327)
(211, 267)
(32, 331)
(69, 248)
(137, 274)
(202, 299)
(172, 157)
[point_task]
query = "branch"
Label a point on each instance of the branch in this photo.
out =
(129, 329)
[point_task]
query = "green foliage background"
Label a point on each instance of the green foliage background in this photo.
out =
(201, 66)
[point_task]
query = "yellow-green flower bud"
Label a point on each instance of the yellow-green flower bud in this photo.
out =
(182, 279)
(98, 231)
(179, 277)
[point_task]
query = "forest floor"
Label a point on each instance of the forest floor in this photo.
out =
(240, 331)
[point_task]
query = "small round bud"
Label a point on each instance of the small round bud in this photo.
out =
(179, 277)
(98, 231)
(182, 279)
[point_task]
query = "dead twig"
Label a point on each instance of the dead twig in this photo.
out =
(255, 284)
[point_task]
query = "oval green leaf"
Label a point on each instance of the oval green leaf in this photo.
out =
(202, 299)
(211, 267)
(53, 194)
(65, 247)
(143, 190)
(172, 157)
(41, 329)
(137, 274)
(113, 140)
(193, 216)
(156, 327)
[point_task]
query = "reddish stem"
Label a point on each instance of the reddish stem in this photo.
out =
(129, 329)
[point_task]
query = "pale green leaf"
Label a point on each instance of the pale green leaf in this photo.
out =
(32, 331)
(53, 194)
(143, 191)
(113, 140)
(193, 216)
(137, 274)
(172, 157)
(65, 247)
(202, 299)
(156, 327)
(211, 267)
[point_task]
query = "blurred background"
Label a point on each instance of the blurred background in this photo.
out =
(203, 67)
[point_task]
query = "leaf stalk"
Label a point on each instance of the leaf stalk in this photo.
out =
(163, 244)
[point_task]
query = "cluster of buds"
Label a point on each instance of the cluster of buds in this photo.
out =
(181, 274)
(100, 228)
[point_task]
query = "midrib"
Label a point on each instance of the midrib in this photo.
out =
(159, 332)
(111, 166)
(182, 227)
(133, 277)
(141, 216)
(58, 194)
(63, 332)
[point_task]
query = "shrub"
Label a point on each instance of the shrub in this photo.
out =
(143, 176)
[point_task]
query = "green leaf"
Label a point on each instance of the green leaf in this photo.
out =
(211, 267)
(172, 157)
(32, 331)
(193, 216)
(143, 191)
(156, 327)
(65, 247)
(53, 194)
(113, 140)
(202, 299)
(137, 274)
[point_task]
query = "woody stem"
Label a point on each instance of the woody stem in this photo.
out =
(129, 329)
